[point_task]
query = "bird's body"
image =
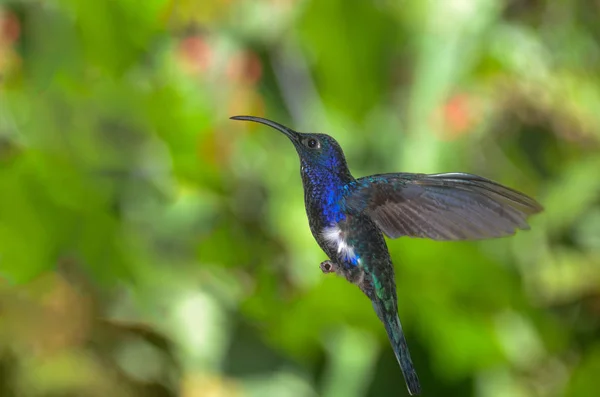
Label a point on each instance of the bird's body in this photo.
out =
(356, 247)
(348, 218)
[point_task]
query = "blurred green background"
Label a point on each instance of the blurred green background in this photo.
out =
(149, 246)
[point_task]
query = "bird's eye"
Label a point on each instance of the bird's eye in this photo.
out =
(312, 143)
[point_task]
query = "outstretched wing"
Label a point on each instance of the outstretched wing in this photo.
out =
(452, 206)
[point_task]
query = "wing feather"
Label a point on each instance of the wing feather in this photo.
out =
(451, 206)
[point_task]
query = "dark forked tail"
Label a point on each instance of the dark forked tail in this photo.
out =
(396, 337)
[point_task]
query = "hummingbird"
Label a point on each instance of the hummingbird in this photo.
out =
(349, 217)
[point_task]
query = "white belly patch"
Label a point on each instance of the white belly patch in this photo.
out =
(334, 237)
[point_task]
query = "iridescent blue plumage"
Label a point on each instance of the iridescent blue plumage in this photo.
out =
(348, 218)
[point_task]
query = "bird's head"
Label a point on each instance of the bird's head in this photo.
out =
(317, 151)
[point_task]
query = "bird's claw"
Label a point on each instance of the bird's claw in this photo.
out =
(327, 267)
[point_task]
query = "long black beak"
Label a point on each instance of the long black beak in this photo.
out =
(293, 135)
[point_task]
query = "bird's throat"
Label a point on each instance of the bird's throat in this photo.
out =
(323, 192)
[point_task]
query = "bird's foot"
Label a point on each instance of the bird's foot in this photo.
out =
(327, 266)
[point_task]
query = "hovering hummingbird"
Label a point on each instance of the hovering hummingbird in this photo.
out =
(348, 218)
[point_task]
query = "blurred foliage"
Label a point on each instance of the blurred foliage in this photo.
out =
(151, 247)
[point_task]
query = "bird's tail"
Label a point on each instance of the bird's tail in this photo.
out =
(396, 335)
